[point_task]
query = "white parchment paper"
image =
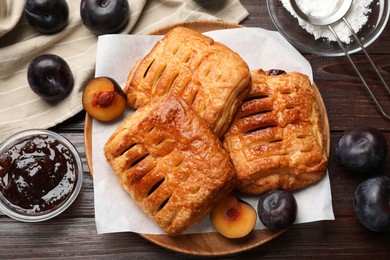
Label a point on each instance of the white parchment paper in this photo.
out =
(116, 54)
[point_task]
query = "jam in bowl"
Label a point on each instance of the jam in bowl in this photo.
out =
(40, 175)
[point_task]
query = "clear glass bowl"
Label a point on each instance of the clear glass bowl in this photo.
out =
(73, 187)
(288, 26)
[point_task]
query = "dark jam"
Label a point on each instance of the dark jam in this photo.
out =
(38, 174)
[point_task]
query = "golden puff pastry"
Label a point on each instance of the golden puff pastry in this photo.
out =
(171, 163)
(276, 139)
(206, 74)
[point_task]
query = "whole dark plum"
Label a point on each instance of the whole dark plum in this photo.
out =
(277, 209)
(276, 72)
(50, 77)
(105, 16)
(361, 149)
(372, 203)
(47, 16)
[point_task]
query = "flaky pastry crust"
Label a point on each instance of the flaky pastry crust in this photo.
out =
(171, 163)
(206, 74)
(276, 140)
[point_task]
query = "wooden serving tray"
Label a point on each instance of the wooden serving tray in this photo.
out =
(207, 244)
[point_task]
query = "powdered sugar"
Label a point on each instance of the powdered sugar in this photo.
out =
(357, 17)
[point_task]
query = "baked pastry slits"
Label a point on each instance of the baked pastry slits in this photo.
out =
(171, 163)
(276, 140)
(206, 74)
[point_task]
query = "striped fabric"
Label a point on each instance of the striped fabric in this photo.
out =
(21, 109)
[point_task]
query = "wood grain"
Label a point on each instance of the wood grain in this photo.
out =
(72, 235)
(200, 26)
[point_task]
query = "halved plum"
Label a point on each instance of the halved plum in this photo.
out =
(103, 99)
(233, 218)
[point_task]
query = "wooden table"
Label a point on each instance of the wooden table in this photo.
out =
(73, 233)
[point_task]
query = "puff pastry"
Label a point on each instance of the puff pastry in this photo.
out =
(171, 163)
(206, 74)
(276, 140)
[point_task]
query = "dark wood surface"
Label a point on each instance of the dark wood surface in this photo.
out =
(73, 233)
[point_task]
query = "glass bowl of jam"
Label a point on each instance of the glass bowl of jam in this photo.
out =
(40, 175)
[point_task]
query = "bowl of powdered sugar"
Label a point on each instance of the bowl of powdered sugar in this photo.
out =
(368, 19)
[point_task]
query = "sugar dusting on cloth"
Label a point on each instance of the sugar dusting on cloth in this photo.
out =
(357, 16)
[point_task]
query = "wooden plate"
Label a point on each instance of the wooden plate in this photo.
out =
(207, 244)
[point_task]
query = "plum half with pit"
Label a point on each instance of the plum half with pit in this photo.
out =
(103, 99)
(372, 203)
(50, 77)
(47, 16)
(277, 209)
(361, 149)
(233, 217)
(105, 16)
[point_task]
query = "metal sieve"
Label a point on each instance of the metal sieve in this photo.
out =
(342, 9)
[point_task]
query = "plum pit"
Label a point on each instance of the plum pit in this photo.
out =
(104, 99)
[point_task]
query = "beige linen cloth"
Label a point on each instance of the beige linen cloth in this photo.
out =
(22, 109)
